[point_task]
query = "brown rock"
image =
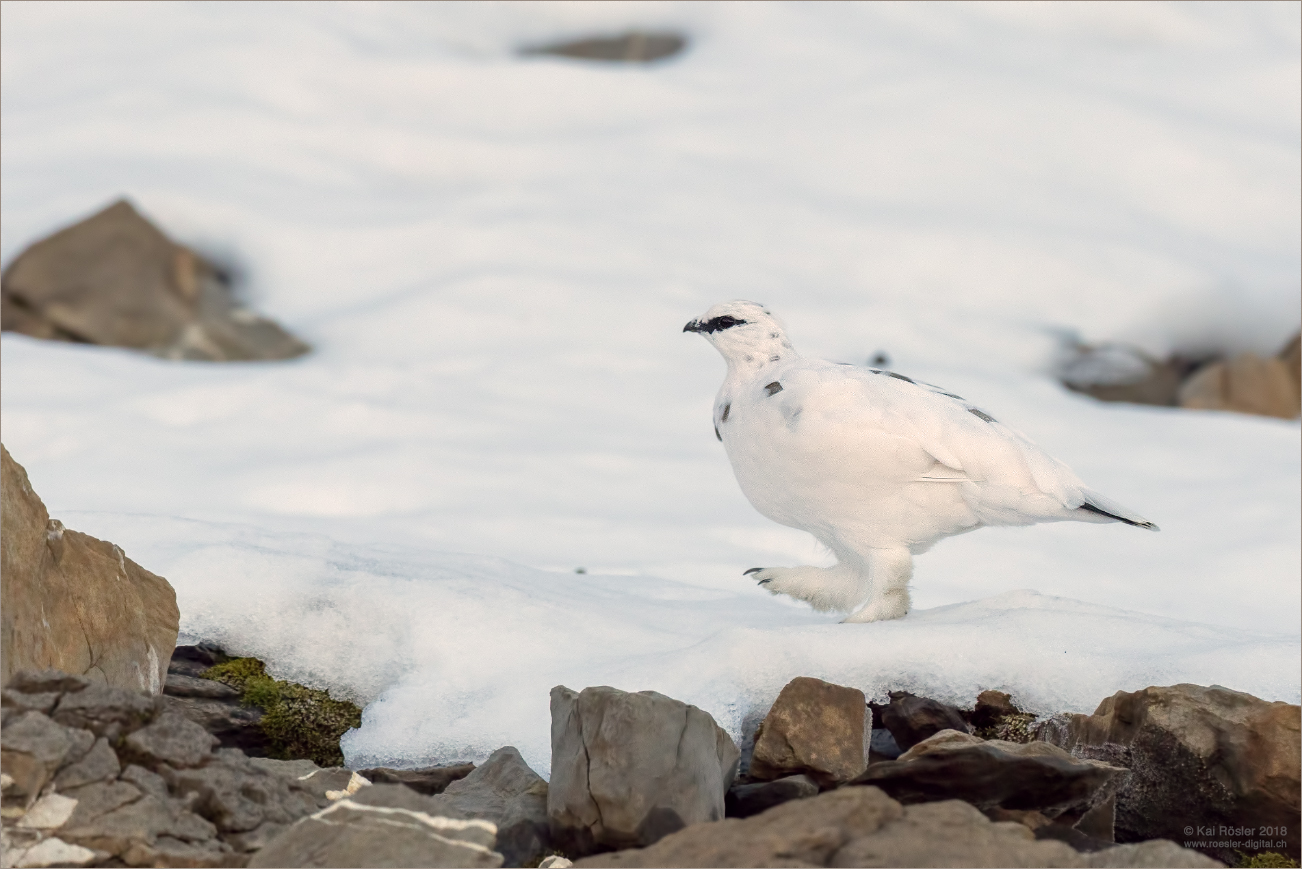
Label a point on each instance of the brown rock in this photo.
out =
(115, 279)
(429, 781)
(863, 827)
(997, 774)
(1199, 757)
(912, 719)
(1291, 356)
(815, 728)
(1246, 384)
(634, 47)
(75, 603)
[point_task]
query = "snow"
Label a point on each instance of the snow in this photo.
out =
(493, 258)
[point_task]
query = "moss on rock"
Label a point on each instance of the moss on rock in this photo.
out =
(299, 722)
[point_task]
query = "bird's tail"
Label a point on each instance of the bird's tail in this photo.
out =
(1101, 506)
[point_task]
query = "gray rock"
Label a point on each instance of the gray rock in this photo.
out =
(34, 747)
(745, 800)
(815, 728)
(20, 702)
(628, 769)
(171, 739)
(105, 711)
(505, 791)
(146, 781)
(430, 780)
(1199, 757)
(178, 685)
(46, 681)
(883, 746)
(350, 833)
(234, 725)
(237, 796)
(95, 800)
(141, 822)
(99, 764)
(294, 769)
(255, 839)
(996, 774)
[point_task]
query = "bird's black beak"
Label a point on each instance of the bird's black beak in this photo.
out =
(694, 326)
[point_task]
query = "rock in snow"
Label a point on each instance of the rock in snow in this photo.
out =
(75, 603)
(630, 768)
(1199, 758)
(815, 728)
(115, 279)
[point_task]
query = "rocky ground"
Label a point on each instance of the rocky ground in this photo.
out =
(101, 776)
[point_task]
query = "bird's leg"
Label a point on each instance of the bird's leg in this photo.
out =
(890, 570)
(841, 587)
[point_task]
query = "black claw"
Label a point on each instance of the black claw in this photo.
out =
(752, 570)
(764, 581)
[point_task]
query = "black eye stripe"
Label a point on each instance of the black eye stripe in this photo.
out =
(718, 324)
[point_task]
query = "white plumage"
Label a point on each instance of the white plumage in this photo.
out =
(875, 465)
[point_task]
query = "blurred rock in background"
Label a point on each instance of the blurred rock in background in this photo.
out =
(1246, 383)
(633, 47)
(115, 279)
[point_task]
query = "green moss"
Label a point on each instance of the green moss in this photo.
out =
(1265, 860)
(299, 722)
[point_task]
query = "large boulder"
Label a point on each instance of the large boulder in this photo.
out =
(115, 279)
(1005, 775)
(815, 728)
(628, 769)
(857, 826)
(74, 603)
(1202, 760)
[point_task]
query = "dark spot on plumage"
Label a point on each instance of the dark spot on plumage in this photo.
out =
(774, 358)
(726, 409)
(773, 334)
(773, 388)
(952, 395)
(899, 377)
(714, 324)
(717, 435)
(980, 414)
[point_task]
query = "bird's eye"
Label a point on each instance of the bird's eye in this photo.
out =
(718, 324)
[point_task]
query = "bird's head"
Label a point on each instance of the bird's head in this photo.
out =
(746, 333)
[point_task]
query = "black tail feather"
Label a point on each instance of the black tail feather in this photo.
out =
(1090, 508)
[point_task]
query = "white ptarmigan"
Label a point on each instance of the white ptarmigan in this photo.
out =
(878, 467)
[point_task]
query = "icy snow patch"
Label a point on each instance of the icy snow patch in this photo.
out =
(455, 654)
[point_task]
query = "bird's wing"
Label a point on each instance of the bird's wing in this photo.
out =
(968, 446)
